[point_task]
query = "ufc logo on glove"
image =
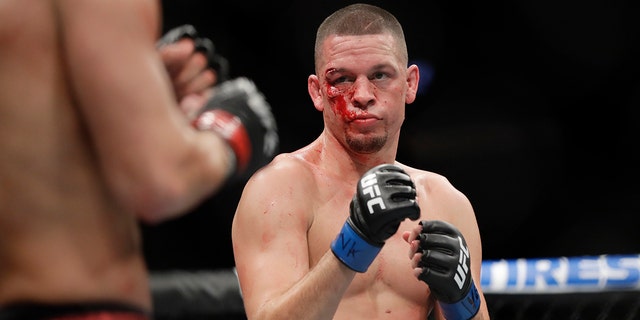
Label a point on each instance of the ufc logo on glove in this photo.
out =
(370, 187)
(463, 269)
(388, 195)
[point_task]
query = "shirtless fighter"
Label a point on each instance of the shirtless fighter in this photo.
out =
(323, 232)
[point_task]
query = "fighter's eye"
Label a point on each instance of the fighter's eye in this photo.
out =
(342, 79)
(379, 76)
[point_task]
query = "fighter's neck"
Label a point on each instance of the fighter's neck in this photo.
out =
(337, 157)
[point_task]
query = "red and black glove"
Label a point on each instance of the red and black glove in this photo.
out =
(239, 112)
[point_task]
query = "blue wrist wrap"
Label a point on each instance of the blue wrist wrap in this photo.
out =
(355, 252)
(464, 309)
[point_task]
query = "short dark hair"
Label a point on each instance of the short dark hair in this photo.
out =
(361, 19)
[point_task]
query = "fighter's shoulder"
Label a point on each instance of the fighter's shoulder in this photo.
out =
(426, 178)
(286, 169)
(433, 183)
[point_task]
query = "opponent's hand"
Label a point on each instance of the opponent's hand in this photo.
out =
(385, 196)
(240, 113)
(202, 45)
(192, 64)
(446, 267)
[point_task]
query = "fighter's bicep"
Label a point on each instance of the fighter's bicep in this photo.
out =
(270, 235)
(269, 227)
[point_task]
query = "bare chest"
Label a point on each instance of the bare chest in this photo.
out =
(389, 278)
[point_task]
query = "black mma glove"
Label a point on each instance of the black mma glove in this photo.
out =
(446, 268)
(204, 45)
(385, 196)
(240, 113)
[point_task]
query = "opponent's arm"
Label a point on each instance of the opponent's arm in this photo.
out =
(240, 113)
(155, 163)
(235, 109)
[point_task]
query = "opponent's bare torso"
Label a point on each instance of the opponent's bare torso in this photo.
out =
(61, 235)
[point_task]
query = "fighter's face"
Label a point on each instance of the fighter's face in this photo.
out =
(364, 84)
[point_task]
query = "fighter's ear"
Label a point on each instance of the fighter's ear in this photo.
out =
(315, 91)
(413, 78)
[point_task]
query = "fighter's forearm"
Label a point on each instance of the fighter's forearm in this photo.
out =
(316, 296)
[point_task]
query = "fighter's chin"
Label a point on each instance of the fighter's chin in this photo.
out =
(366, 144)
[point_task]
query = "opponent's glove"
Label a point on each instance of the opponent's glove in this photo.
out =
(385, 196)
(446, 268)
(215, 61)
(240, 113)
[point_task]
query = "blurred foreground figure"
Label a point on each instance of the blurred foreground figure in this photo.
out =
(95, 137)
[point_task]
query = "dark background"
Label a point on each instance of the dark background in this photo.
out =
(528, 107)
